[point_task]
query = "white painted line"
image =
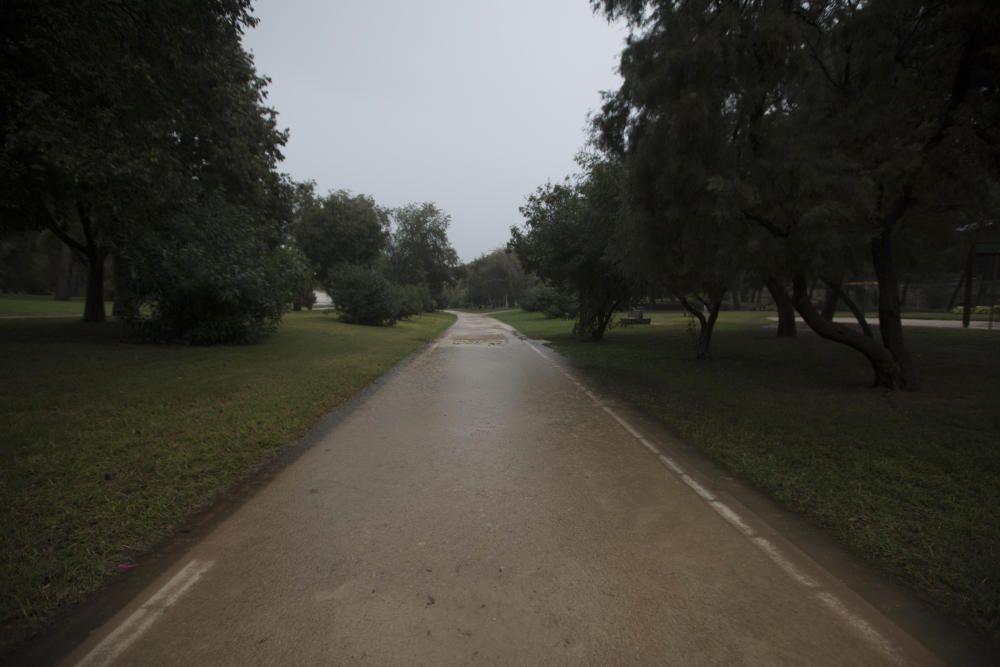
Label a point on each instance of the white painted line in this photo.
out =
(539, 352)
(624, 424)
(142, 618)
(860, 625)
(648, 445)
(670, 463)
(698, 488)
(732, 517)
(776, 556)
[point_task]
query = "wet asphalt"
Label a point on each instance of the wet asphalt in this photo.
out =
(481, 509)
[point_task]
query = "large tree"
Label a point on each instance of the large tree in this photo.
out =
(842, 124)
(121, 122)
(568, 241)
(419, 250)
(340, 228)
(494, 279)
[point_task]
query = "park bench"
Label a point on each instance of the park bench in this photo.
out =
(634, 317)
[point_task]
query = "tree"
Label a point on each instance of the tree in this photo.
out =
(339, 228)
(363, 295)
(835, 115)
(419, 250)
(122, 123)
(569, 229)
(494, 279)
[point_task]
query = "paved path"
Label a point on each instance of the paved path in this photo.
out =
(483, 507)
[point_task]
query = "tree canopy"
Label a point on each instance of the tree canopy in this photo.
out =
(140, 132)
(340, 228)
(419, 249)
(568, 237)
(817, 135)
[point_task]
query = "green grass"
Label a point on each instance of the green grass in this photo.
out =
(910, 481)
(108, 445)
(30, 305)
(872, 316)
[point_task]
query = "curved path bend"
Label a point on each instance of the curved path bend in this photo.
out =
(484, 508)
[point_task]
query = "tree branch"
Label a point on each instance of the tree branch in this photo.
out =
(74, 245)
(774, 229)
(853, 307)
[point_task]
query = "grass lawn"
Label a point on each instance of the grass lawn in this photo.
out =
(872, 317)
(106, 445)
(25, 305)
(910, 481)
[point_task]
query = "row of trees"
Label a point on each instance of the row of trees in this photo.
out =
(782, 143)
(377, 264)
(137, 136)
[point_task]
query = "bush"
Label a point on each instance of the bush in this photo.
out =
(223, 278)
(549, 301)
(414, 299)
(363, 295)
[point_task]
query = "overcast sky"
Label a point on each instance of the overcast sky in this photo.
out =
(468, 103)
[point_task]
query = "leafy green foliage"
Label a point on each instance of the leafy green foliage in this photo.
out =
(805, 139)
(126, 128)
(546, 299)
(363, 295)
(226, 279)
(413, 300)
(419, 250)
(339, 228)
(494, 279)
(567, 240)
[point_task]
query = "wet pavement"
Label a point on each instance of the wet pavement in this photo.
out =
(483, 507)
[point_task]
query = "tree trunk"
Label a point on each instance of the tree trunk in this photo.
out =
(609, 312)
(786, 309)
(954, 294)
(967, 301)
(890, 323)
(830, 303)
(124, 306)
(598, 322)
(853, 307)
(706, 325)
(93, 309)
(884, 366)
(64, 270)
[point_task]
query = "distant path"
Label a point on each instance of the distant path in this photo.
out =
(484, 507)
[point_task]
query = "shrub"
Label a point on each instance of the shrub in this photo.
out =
(363, 295)
(549, 301)
(413, 300)
(225, 279)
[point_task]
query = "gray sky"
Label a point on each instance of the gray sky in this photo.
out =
(467, 103)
